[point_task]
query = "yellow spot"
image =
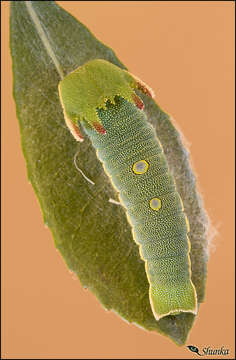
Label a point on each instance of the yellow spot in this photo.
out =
(187, 223)
(182, 204)
(159, 143)
(155, 204)
(140, 167)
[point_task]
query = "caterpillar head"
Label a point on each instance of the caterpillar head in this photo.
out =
(90, 86)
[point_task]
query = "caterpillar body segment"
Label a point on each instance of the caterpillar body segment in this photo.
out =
(161, 233)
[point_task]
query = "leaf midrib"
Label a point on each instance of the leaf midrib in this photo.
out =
(43, 37)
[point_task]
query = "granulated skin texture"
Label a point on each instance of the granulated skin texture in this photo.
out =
(133, 158)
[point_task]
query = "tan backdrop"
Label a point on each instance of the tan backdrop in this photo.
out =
(185, 52)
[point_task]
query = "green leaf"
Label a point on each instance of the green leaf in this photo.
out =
(92, 234)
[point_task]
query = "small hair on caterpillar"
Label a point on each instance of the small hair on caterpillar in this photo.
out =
(81, 172)
(114, 202)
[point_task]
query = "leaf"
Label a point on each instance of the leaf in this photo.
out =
(91, 233)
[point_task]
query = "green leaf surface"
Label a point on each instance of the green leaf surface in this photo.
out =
(91, 233)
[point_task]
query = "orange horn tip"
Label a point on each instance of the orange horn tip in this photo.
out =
(99, 128)
(138, 102)
(145, 89)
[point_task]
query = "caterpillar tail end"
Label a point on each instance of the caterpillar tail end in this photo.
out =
(173, 301)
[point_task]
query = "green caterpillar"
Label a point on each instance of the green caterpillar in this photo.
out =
(102, 97)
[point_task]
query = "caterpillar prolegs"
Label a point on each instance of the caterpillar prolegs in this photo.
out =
(102, 97)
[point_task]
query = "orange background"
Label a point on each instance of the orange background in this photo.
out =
(185, 52)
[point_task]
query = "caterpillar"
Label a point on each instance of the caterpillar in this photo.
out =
(102, 97)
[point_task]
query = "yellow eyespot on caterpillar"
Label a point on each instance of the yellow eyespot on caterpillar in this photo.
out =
(140, 167)
(155, 204)
(102, 97)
